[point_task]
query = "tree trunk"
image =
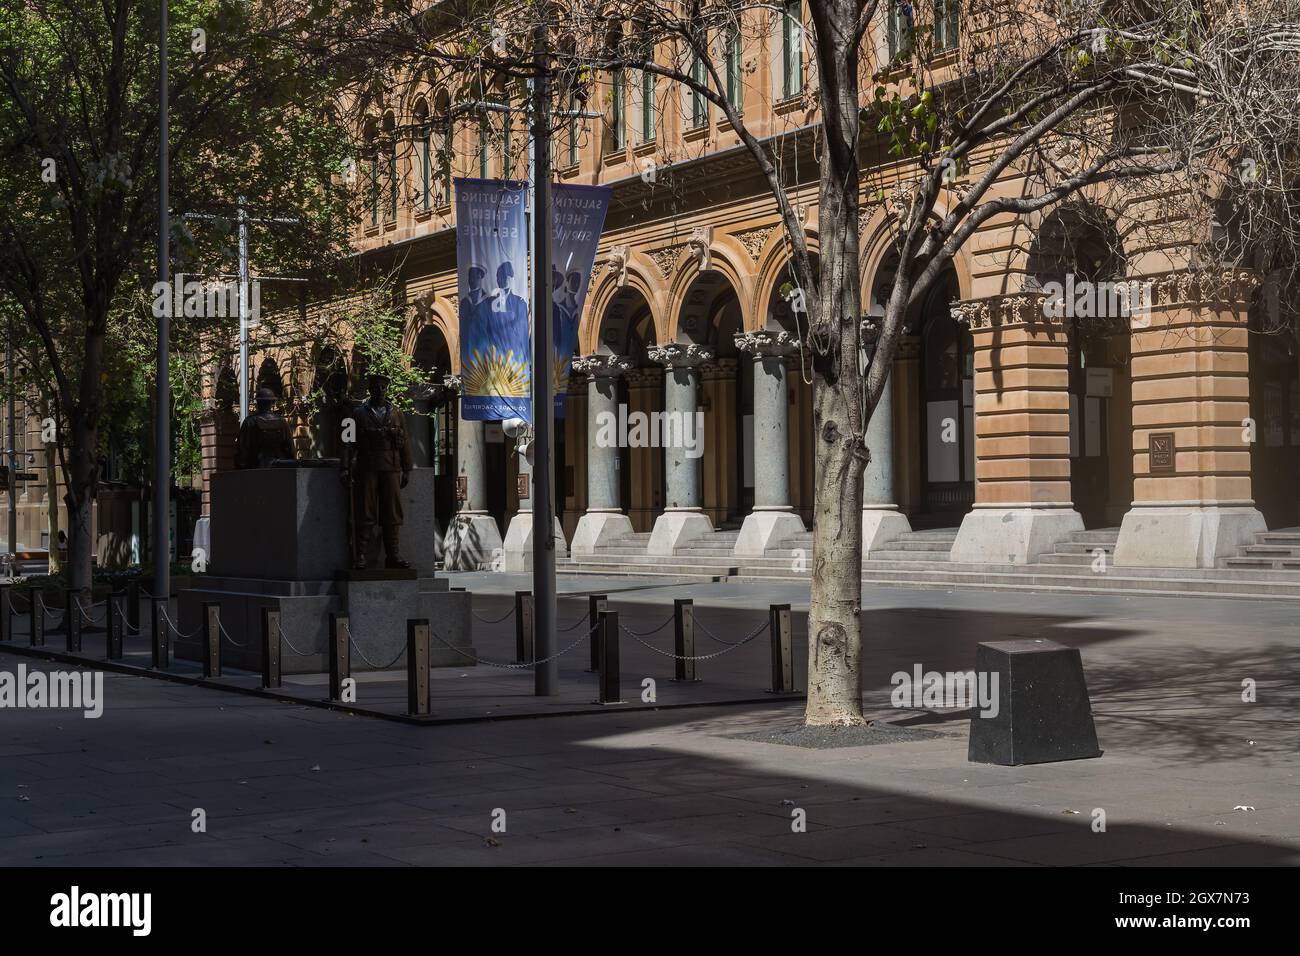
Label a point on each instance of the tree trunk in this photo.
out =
(834, 631)
(52, 497)
(81, 475)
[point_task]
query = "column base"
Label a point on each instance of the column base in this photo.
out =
(518, 545)
(766, 529)
(676, 527)
(880, 525)
(1184, 536)
(598, 528)
(472, 542)
(1011, 535)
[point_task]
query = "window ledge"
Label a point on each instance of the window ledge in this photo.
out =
(696, 133)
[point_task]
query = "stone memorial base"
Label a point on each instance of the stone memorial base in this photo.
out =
(281, 533)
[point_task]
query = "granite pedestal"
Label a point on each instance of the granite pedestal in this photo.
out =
(279, 541)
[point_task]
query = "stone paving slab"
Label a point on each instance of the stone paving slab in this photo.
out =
(285, 784)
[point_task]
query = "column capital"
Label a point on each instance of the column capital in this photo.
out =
(451, 383)
(1203, 286)
(644, 377)
(1002, 311)
(767, 342)
(603, 366)
(680, 354)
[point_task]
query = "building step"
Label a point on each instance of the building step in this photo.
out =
(905, 557)
(1084, 547)
(1096, 535)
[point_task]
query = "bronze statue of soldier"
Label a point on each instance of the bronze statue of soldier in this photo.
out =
(264, 436)
(377, 466)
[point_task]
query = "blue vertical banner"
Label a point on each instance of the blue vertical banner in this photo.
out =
(492, 273)
(577, 218)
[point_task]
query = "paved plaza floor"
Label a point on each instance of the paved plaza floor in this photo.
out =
(1191, 774)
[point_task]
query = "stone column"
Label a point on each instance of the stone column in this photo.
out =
(1191, 398)
(1022, 433)
(773, 519)
(643, 395)
(881, 519)
(604, 519)
(518, 545)
(683, 518)
(473, 540)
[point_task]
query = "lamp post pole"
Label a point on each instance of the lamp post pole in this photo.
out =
(162, 403)
(545, 675)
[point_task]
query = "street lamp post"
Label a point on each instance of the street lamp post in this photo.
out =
(162, 402)
(545, 674)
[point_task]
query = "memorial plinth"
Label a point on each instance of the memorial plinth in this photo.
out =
(279, 541)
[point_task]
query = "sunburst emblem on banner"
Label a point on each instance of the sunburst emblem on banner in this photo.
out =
(496, 374)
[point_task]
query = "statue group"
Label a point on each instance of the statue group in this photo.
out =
(376, 463)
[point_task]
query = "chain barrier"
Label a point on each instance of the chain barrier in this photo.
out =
(484, 620)
(698, 657)
(288, 643)
(45, 610)
(16, 610)
(513, 666)
(176, 630)
(85, 615)
(226, 634)
(378, 667)
(569, 627)
(126, 624)
(671, 618)
(713, 637)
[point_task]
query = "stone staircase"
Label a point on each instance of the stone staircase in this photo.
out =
(1273, 550)
(1270, 568)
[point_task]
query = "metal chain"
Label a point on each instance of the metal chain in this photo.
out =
(86, 616)
(362, 655)
(285, 638)
(176, 630)
(222, 628)
(126, 624)
(569, 627)
(713, 637)
(483, 620)
(512, 667)
(698, 657)
(45, 610)
(671, 618)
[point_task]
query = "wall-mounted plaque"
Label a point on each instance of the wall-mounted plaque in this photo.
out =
(462, 487)
(1161, 451)
(521, 486)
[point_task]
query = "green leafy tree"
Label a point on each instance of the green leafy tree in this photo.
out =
(79, 141)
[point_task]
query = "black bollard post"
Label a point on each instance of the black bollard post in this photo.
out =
(684, 638)
(73, 618)
(340, 654)
(161, 634)
(133, 605)
(597, 604)
(782, 652)
(6, 613)
(523, 627)
(211, 639)
(270, 647)
(116, 623)
(611, 690)
(417, 668)
(37, 612)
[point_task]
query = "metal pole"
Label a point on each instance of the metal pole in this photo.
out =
(243, 308)
(546, 676)
(11, 459)
(162, 423)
